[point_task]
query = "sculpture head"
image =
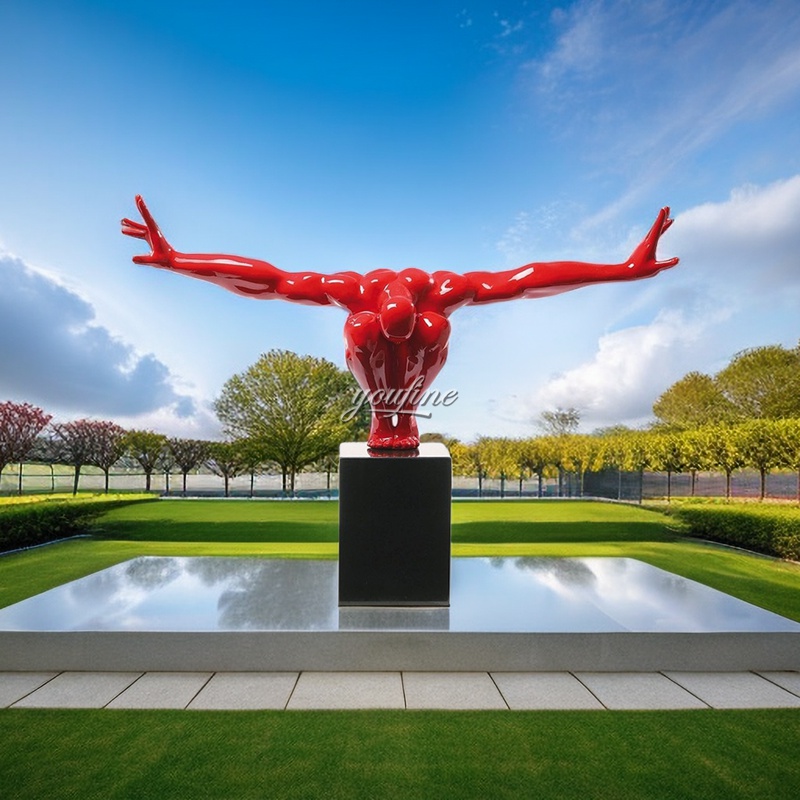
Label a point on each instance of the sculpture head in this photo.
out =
(397, 316)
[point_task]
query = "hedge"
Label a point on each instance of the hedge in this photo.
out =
(773, 530)
(29, 524)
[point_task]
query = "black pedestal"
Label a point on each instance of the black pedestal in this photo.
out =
(394, 526)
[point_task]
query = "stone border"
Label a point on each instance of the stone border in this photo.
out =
(278, 651)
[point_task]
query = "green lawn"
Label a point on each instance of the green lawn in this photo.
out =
(224, 521)
(317, 521)
(372, 754)
(398, 755)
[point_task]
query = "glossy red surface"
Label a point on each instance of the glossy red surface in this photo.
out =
(396, 332)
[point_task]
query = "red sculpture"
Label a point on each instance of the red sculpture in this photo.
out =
(396, 332)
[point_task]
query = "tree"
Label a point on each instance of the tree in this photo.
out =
(612, 451)
(789, 441)
(166, 463)
(537, 455)
(638, 454)
(760, 443)
(560, 422)
(107, 444)
(579, 454)
(188, 455)
(694, 400)
(252, 459)
(75, 445)
(500, 458)
(722, 446)
(225, 459)
(695, 455)
(669, 455)
(763, 383)
(20, 424)
(475, 457)
(327, 464)
(463, 465)
(295, 406)
(145, 447)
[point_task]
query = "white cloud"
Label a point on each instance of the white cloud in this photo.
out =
(579, 48)
(202, 424)
(738, 261)
(750, 242)
(52, 353)
(626, 374)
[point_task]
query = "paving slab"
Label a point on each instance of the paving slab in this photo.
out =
(540, 690)
(637, 690)
(340, 690)
(735, 690)
(786, 680)
(239, 691)
(79, 690)
(162, 690)
(15, 685)
(452, 690)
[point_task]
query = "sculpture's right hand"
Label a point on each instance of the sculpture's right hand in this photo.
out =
(160, 249)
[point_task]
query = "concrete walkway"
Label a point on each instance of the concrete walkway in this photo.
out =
(400, 690)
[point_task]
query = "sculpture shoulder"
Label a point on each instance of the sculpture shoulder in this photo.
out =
(354, 291)
(450, 290)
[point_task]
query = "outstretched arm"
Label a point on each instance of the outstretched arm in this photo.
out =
(245, 276)
(539, 280)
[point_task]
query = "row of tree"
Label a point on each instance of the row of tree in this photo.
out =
(287, 412)
(26, 434)
(762, 445)
(283, 413)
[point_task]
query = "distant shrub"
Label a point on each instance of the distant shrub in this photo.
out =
(773, 530)
(29, 524)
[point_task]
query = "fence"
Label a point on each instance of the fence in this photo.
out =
(37, 479)
(618, 485)
(612, 484)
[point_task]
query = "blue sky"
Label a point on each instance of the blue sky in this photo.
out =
(359, 135)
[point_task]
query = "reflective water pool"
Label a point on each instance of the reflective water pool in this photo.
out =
(525, 595)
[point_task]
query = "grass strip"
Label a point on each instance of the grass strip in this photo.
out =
(287, 521)
(163, 754)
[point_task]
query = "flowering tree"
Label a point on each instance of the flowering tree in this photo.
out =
(107, 445)
(75, 445)
(20, 424)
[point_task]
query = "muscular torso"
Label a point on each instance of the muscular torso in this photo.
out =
(440, 292)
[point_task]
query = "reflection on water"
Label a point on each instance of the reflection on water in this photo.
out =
(498, 594)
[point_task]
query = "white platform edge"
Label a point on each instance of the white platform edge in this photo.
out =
(279, 651)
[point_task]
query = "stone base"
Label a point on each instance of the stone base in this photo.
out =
(394, 526)
(377, 651)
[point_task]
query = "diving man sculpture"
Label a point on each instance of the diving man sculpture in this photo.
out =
(396, 332)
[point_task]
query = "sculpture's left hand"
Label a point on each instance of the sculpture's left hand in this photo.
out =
(160, 248)
(642, 262)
